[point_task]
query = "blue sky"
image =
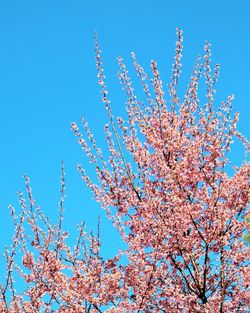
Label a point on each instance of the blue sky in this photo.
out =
(48, 80)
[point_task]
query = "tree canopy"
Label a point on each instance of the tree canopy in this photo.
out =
(166, 188)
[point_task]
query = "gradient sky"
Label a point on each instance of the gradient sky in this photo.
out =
(48, 80)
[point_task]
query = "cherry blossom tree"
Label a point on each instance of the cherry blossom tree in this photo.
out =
(167, 189)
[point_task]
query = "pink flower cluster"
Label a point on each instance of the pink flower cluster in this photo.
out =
(167, 190)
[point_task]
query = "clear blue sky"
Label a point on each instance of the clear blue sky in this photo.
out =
(48, 80)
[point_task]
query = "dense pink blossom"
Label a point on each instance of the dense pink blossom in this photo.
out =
(166, 187)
